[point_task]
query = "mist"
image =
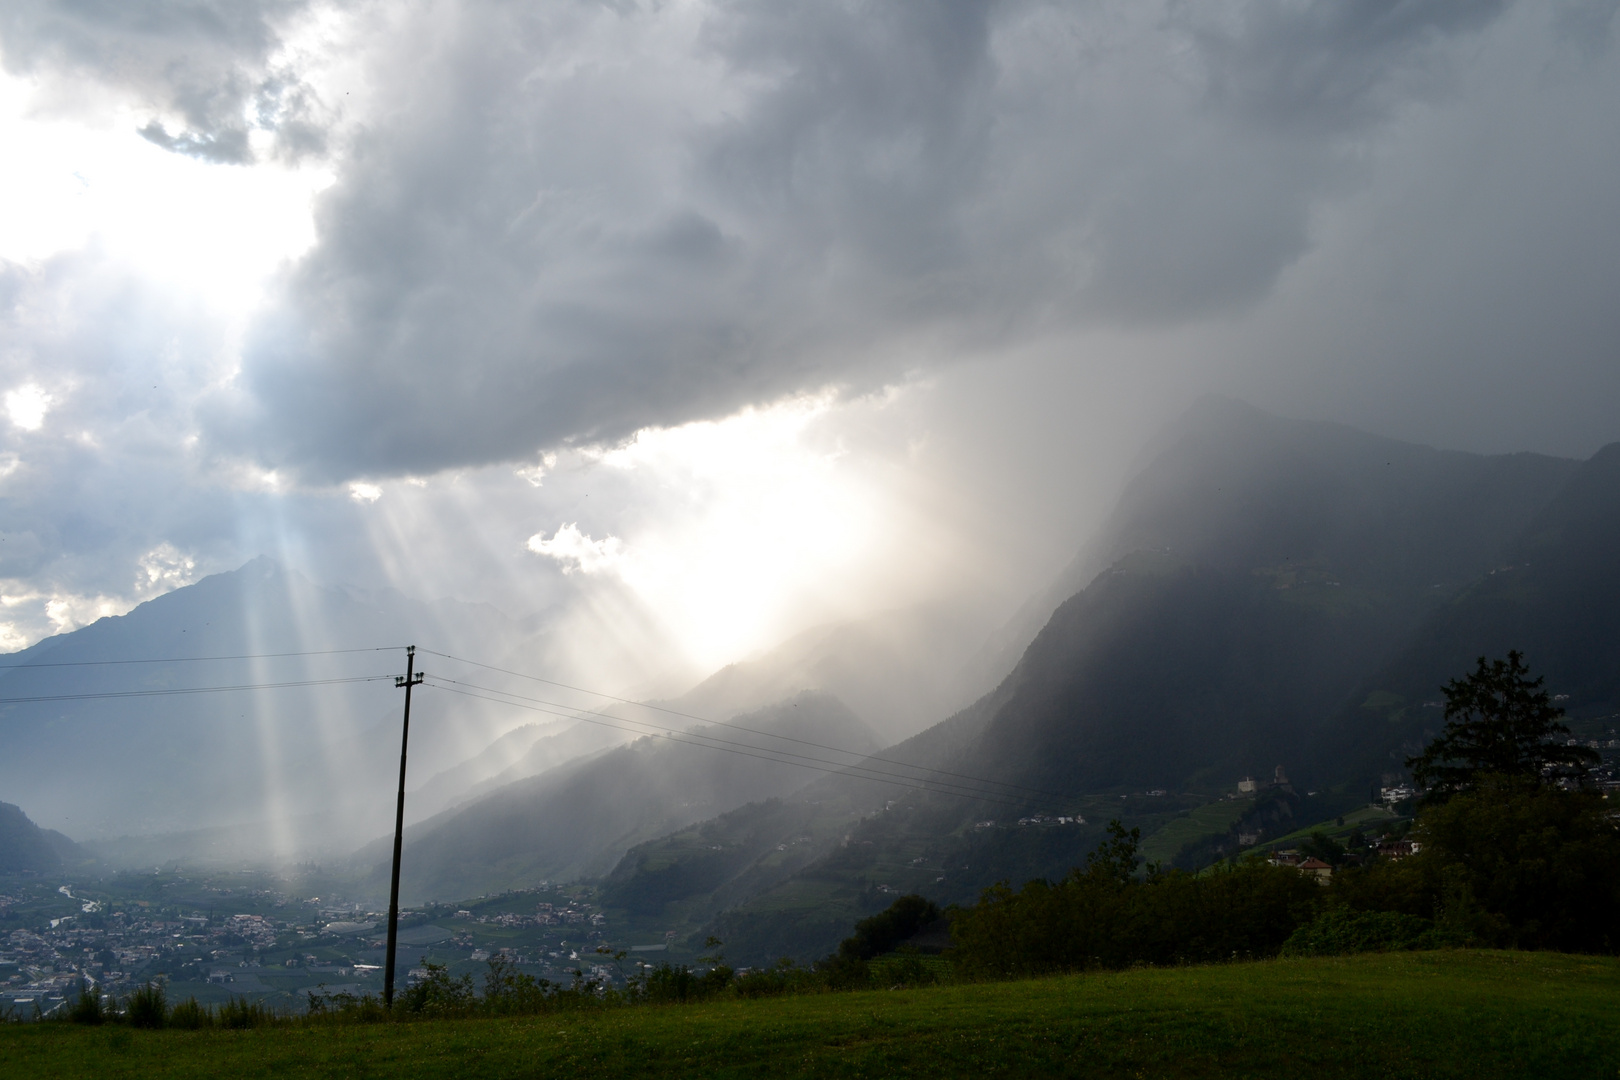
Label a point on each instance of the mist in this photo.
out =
(689, 337)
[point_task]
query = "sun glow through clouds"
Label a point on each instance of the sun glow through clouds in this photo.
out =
(758, 522)
(212, 232)
(27, 406)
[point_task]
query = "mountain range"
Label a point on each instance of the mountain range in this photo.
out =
(1277, 599)
(1271, 598)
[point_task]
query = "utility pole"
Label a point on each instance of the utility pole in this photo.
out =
(411, 678)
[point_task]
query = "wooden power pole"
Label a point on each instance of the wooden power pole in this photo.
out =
(411, 678)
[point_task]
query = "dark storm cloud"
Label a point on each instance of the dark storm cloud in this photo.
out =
(206, 61)
(573, 222)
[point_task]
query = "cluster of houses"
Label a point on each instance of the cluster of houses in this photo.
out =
(40, 969)
(544, 915)
(1388, 848)
(1279, 782)
(1321, 871)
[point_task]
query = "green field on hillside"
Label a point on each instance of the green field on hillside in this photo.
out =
(1437, 1014)
(1370, 819)
(1211, 819)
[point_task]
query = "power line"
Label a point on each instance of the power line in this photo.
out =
(911, 783)
(779, 757)
(172, 691)
(857, 767)
(196, 659)
(740, 727)
(948, 786)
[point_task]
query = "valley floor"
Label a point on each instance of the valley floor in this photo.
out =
(1436, 1014)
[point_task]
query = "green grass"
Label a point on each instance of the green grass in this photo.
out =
(1460, 1014)
(1370, 819)
(1211, 819)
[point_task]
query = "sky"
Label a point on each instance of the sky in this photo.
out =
(695, 324)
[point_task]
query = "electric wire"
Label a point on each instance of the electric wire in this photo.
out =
(651, 729)
(751, 731)
(922, 785)
(181, 690)
(859, 770)
(856, 767)
(726, 746)
(195, 659)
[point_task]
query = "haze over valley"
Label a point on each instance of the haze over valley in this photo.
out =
(819, 454)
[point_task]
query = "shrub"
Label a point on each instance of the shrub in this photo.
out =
(670, 983)
(189, 1016)
(1339, 931)
(841, 971)
(784, 977)
(362, 1009)
(146, 1007)
(87, 1006)
(906, 966)
(1510, 863)
(241, 1013)
(1102, 917)
(437, 994)
(880, 933)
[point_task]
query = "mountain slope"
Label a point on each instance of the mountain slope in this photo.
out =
(1258, 571)
(25, 846)
(1555, 597)
(1270, 565)
(579, 818)
(146, 764)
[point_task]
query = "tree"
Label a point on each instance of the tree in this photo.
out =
(1539, 866)
(1115, 859)
(1319, 845)
(1498, 722)
(880, 933)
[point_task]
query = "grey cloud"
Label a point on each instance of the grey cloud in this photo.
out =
(877, 123)
(208, 61)
(545, 239)
(226, 147)
(106, 476)
(1306, 68)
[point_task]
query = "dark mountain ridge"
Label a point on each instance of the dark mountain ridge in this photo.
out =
(1555, 597)
(1268, 565)
(1256, 579)
(25, 847)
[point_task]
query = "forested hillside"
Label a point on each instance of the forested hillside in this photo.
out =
(1277, 593)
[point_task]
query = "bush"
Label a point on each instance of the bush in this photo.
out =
(1544, 864)
(880, 933)
(1102, 917)
(437, 994)
(189, 1016)
(360, 1009)
(668, 983)
(907, 967)
(785, 977)
(1339, 931)
(146, 1007)
(242, 1013)
(841, 971)
(87, 1006)
(1510, 864)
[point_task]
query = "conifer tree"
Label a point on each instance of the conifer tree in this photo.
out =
(1499, 722)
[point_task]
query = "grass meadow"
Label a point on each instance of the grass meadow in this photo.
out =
(1390, 1016)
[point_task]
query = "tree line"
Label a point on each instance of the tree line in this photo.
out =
(1514, 850)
